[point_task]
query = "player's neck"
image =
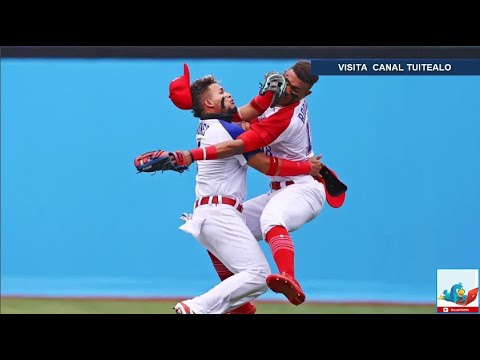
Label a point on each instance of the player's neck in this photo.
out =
(225, 117)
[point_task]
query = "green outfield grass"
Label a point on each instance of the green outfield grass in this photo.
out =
(96, 306)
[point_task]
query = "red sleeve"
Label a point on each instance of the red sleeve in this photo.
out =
(270, 128)
(237, 117)
(265, 132)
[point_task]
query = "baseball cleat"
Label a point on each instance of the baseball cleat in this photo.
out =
(247, 308)
(182, 308)
(288, 286)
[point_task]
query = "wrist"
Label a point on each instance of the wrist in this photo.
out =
(206, 153)
(262, 102)
(293, 168)
(237, 117)
(188, 156)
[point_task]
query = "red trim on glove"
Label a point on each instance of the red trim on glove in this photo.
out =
(208, 153)
(179, 158)
(145, 157)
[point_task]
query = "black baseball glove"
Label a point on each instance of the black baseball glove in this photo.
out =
(161, 160)
(275, 82)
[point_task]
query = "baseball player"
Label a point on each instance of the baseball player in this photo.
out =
(283, 131)
(218, 222)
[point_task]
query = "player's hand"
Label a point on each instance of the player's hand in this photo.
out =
(315, 165)
(186, 160)
(245, 125)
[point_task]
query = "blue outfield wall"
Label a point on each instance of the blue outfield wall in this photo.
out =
(77, 220)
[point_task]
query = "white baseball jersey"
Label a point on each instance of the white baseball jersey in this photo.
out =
(287, 130)
(293, 136)
(226, 177)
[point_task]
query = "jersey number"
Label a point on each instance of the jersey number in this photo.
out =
(267, 150)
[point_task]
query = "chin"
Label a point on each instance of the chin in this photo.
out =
(232, 110)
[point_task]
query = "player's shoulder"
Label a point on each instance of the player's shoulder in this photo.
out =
(210, 121)
(279, 117)
(209, 130)
(284, 112)
(234, 130)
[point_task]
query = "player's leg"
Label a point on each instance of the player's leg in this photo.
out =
(224, 273)
(289, 209)
(226, 236)
(252, 210)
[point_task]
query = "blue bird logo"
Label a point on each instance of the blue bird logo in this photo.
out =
(456, 294)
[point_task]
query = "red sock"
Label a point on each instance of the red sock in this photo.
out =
(283, 252)
(221, 269)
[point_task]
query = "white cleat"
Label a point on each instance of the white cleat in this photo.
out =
(182, 308)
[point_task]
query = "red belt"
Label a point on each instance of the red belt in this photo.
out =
(277, 185)
(219, 200)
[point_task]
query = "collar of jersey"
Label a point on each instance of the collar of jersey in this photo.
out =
(223, 117)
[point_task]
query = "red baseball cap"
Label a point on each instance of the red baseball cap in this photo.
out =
(333, 201)
(180, 93)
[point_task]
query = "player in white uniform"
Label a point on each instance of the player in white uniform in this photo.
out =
(292, 200)
(217, 221)
(283, 132)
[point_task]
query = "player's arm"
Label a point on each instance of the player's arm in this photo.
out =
(271, 91)
(219, 151)
(256, 107)
(273, 166)
(225, 149)
(261, 134)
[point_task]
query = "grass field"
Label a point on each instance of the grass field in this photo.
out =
(129, 306)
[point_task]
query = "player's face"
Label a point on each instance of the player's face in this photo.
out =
(222, 100)
(296, 89)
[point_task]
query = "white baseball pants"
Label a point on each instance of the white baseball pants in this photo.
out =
(290, 207)
(221, 229)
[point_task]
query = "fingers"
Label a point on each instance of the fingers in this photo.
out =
(315, 165)
(245, 125)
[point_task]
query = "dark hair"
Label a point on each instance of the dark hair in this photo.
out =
(303, 70)
(198, 89)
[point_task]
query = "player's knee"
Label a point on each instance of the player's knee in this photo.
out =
(261, 271)
(262, 287)
(264, 271)
(268, 220)
(259, 274)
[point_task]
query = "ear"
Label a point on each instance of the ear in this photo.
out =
(208, 103)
